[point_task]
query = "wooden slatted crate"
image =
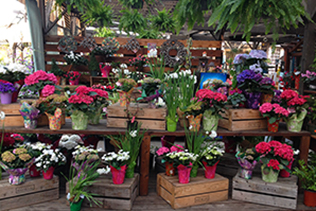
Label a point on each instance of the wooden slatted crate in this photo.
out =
(242, 119)
(283, 193)
(150, 118)
(14, 118)
(112, 196)
(33, 191)
(198, 191)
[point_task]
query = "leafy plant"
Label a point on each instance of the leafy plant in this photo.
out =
(163, 21)
(236, 98)
(134, 3)
(157, 68)
(55, 69)
(81, 5)
(171, 98)
(104, 32)
(307, 175)
(93, 64)
(132, 21)
(102, 15)
(149, 33)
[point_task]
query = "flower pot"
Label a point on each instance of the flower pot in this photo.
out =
(284, 173)
(182, 119)
(209, 170)
(34, 172)
(310, 198)
(18, 85)
(6, 98)
(195, 122)
(167, 141)
(210, 122)
(118, 175)
(172, 124)
(268, 174)
(274, 127)
(49, 174)
(253, 99)
(130, 171)
(94, 118)
(76, 206)
(105, 71)
(194, 171)
(294, 123)
(184, 174)
(74, 82)
(30, 124)
(266, 98)
(17, 176)
(125, 97)
(54, 121)
(79, 120)
(170, 170)
(246, 168)
(58, 80)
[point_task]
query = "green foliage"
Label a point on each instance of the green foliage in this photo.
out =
(149, 34)
(171, 97)
(157, 68)
(236, 99)
(81, 5)
(55, 69)
(132, 21)
(102, 15)
(93, 64)
(163, 21)
(134, 3)
(307, 174)
(104, 32)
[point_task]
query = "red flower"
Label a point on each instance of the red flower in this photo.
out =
(83, 90)
(100, 93)
(263, 148)
(296, 101)
(48, 90)
(40, 75)
(274, 164)
(275, 144)
(288, 94)
(8, 140)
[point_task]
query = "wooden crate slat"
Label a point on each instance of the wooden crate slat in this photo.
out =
(146, 124)
(242, 114)
(10, 109)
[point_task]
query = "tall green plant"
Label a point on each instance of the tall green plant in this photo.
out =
(171, 98)
(163, 21)
(132, 21)
(195, 140)
(157, 68)
(307, 175)
(102, 15)
(186, 88)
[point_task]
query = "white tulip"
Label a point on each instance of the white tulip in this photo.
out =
(2, 115)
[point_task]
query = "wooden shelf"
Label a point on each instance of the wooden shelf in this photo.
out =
(310, 91)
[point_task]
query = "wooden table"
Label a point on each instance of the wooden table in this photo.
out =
(101, 129)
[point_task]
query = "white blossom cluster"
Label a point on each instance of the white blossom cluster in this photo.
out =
(70, 142)
(182, 73)
(73, 58)
(133, 133)
(122, 68)
(15, 67)
(160, 102)
(212, 135)
(49, 157)
(182, 156)
(80, 149)
(105, 170)
(112, 156)
(214, 150)
(39, 146)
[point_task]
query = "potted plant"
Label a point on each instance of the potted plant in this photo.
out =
(247, 160)
(134, 4)
(163, 152)
(236, 98)
(73, 59)
(35, 150)
(6, 91)
(93, 65)
(309, 77)
(30, 114)
(194, 114)
(311, 117)
(125, 87)
(274, 157)
(307, 175)
(73, 77)
(138, 62)
(109, 46)
(38, 80)
(274, 113)
(16, 162)
(100, 101)
(267, 87)
(150, 91)
(59, 73)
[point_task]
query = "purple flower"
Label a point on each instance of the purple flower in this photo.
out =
(258, 54)
(7, 87)
(240, 58)
(277, 97)
(248, 75)
(266, 80)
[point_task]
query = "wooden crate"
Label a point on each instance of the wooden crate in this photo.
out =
(198, 191)
(283, 193)
(14, 118)
(111, 196)
(150, 118)
(242, 119)
(33, 191)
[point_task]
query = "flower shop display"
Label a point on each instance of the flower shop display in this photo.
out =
(214, 104)
(274, 156)
(247, 159)
(16, 162)
(194, 113)
(6, 91)
(109, 46)
(236, 98)
(100, 101)
(49, 160)
(59, 73)
(73, 77)
(138, 62)
(267, 87)
(163, 151)
(249, 82)
(35, 150)
(307, 175)
(210, 157)
(30, 114)
(74, 59)
(117, 162)
(296, 106)
(38, 80)
(125, 88)
(274, 113)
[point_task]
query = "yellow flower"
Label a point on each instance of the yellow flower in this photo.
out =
(25, 157)
(19, 151)
(8, 157)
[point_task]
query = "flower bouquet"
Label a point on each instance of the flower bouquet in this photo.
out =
(138, 62)
(236, 98)
(39, 79)
(6, 91)
(117, 162)
(267, 87)
(214, 103)
(48, 160)
(29, 114)
(274, 113)
(163, 151)
(247, 160)
(16, 162)
(296, 106)
(125, 87)
(183, 162)
(274, 156)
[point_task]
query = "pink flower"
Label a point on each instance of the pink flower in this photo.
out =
(48, 90)
(162, 150)
(274, 164)
(177, 148)
(263, 148)
(266, 107)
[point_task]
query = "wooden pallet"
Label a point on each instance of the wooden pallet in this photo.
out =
(33, 191)
(150, 118)
(283, 193)
(111, 196)
(242, 119)
(198, 191)
(14, 118)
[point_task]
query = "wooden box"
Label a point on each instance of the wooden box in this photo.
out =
(198, 191)
(283, 193)
(150, 118)
(33, 191)
(111, 196)
(14, 118)
(242, 119)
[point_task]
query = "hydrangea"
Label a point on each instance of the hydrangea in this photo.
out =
(258, 54)
(240, 58)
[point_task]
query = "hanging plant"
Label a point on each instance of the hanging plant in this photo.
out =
(102, 15)
(163, 21)
(132, 21)
(134, 4)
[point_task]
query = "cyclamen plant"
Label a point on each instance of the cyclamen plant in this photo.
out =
(163, 151)
(308, 76)
(273, 112)
(7, 87)
(138, 61)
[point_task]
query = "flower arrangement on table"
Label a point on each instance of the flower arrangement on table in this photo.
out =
(72, 77)
(6, 91)
(247, 160)
(39, 79)
(214, 104)
(109, 46)
(296, 105)
(249, 82)
(274, 113)
(75, 59)
(16, 162)
(138, 62)
(236, 98)
(274, 156)
(163, 151)
(49, 160)
(117, 162)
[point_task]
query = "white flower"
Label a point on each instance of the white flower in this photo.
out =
(296, 152)
(103, 170)
(133, 133)
(190, 127)
(213, 134)
(160, 102)
(206, 132)
(76, 138)
(127, 72)
(2, 115)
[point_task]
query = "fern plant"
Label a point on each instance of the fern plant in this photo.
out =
(132, 21)
(307, 174)
(163, 21)
(102, 15)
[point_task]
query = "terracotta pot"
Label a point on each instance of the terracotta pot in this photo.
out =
(310, 198)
